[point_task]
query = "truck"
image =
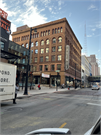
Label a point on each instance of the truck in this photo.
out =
(7, 81)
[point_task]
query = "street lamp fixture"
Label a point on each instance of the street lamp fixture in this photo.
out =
(26, 83)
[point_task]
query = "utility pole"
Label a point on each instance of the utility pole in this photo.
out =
(26, 83)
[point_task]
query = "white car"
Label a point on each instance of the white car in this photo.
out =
(95, 87)
(50, 131)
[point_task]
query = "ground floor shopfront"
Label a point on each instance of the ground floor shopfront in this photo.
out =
(51, 78)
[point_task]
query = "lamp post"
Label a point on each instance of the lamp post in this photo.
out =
(26, 83)
(75, 75)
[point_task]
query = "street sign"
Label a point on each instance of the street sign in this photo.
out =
(57, 70)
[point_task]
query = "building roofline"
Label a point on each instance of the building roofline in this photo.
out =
(48, 24)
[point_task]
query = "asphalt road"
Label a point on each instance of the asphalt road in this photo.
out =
(76, 110)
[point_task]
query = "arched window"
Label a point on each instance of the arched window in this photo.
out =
(41, 34)
(61, 29)
(32, 44)
(23, 45)
(58, 30)
(52, 31)
(47, 41)
(26, 45)
(42, 42)
(60, 39)
(36, 43)
(46, 32)
(55, 30)
(54, 40)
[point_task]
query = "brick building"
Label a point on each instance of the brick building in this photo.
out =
(54, 47)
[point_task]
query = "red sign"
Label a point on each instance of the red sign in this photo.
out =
(3, 14)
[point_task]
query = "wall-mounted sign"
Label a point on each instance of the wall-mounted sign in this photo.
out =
(67, 57)
(45, 75)
(3, 14)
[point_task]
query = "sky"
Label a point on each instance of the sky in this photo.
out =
(84, 17)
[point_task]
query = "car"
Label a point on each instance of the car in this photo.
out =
(95, 87)
(50, 131)
(96, 129)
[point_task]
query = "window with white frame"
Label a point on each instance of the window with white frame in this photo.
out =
(60, 39)
(59, 48)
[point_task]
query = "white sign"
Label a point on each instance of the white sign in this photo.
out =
(7, 81)
(67, 57)
(45, 75)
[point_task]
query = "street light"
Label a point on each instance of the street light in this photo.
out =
(75, 75)
(26, 83)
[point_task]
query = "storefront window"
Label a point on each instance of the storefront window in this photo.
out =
(1, 45)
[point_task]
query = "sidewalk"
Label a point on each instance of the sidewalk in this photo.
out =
(42, 91)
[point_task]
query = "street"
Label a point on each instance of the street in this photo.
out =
(76, 110)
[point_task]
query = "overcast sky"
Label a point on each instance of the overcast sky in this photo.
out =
(77, 12)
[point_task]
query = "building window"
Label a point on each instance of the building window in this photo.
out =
(53, 49)
(54, 40)
(42, 51)
(35, 60)
(36, 51)
(2, 45)
(60, 39)
(40, 67)
(52, 67)
(44, 33)
(47, 58)
(46, 67)
(61, 29)
(32, 44)
(41, 59)
(58, 66)
(59, 48)
(52, 31)
(42, 42)
(58, 30)
(27, 45)
(48, 32)
(24, 53)
(41, 34)
(47, 41)
(23, 61)
(47, 50)
(55, 30)
(53, 58)
(35, 68)
(36, 43)
(59, 57)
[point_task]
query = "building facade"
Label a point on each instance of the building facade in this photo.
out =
(86, 70)
(95, 68)
(54, 47)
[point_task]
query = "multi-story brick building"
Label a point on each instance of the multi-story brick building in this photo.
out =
(55, 47)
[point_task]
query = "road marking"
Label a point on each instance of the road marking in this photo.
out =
(94, 104)
(62, 125)
(47, 99)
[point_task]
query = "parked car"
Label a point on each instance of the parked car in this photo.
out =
(50, 131)
(95, 87)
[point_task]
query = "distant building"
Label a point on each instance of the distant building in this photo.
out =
(86, 70)
(55, 47)
(95, 68)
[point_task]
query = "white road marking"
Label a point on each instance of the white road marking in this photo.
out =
(94, 104)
